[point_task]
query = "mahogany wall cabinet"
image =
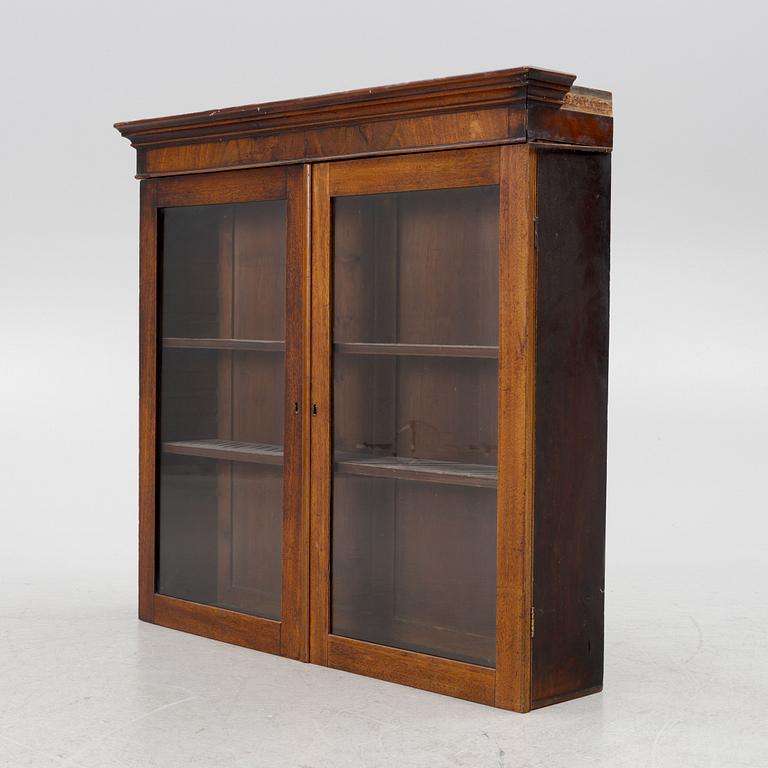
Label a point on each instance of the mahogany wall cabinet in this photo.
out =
(374, 334)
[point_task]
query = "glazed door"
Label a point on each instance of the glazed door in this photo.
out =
(227, 520)
(405, 437)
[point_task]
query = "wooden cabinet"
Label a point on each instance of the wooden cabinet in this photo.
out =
(373, 381)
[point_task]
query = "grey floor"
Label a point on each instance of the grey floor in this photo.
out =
(83, 683)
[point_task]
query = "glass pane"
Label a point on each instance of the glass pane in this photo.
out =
(415, 421)
(223, 269)
(222, 405)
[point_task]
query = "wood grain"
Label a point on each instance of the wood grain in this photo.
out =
(501, 107)
(565, 126)
(418, 670)
(231, 187)
(568, 696)
(440, 170)
(416, 267)
(474, 128)
(571, 423)
(516, 87)
(544, 143)
(516, 414)
(295, 600)
(218, 624)
(305, 409)
(147, 397)
(247, 370)
(321, 462)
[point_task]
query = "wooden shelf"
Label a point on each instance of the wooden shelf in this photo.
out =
(346, 463)
(255, 345)
(424, 470)
(368, 625)
(227, 450)
(417, 350)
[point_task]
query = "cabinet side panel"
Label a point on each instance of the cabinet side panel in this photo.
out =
(571, 423)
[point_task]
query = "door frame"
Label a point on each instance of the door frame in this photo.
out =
(288, 636)
(512, 167)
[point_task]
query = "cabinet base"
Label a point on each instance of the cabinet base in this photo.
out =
(565, 697)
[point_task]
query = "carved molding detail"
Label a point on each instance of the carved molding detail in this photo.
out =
(518, 88)
(589, 100)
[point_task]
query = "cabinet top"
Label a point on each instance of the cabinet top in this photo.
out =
(504, 106)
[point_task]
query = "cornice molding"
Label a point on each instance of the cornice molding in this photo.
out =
(521, 88)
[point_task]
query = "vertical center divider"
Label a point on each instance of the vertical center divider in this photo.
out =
(295, 587)
(320, 458)
(305, 408)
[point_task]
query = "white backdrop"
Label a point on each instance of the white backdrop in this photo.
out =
(689, 376)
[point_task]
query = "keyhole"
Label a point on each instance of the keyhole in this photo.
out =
(295, 407)
(314, 409)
